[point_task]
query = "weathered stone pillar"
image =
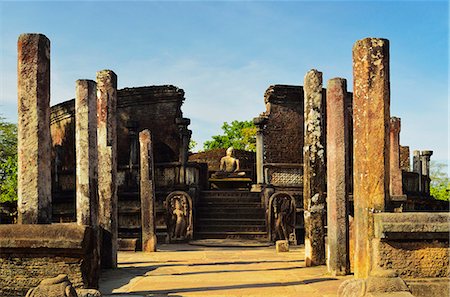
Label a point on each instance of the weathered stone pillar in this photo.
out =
(395, 173)
(425, 157)
(34, 140)
(338, 261)
(417, 164)
(371, 101)
(259, 123)
(417, 167)
(107, 164)
(147, 192)
(86, 152)
(405, 159)
(185, 136)
(314, 170)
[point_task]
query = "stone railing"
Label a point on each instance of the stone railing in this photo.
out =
(283, 174)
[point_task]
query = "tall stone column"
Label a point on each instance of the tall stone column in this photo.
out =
(147, 192)
(86, 152)
(107, 164)
(259, 123)
(314, 173)
(371, 99)
(395, 174)
(185, 136)
(417, 167)
(338, 261)
(34, 140)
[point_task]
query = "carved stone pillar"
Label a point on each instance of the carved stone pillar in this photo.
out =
(34, 140)
(185, 137)
(314, 170)
(425, 158)
(371, 99)
(260, 122)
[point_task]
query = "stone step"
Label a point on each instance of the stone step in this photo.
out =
(231, 213)
(230, 228)
(231, 235)
(229, 194)
(231, 222)
(223, 203)
(230, 199)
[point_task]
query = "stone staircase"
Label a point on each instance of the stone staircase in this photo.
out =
(231, 215)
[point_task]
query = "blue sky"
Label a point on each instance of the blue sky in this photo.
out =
(225, 54)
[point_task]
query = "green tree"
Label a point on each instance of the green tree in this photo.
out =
(440, 182)
(8, 161)
(239, 134)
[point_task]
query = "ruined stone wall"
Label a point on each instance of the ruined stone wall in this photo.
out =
(414, 244)
(30, 253)
(283, 134)
(154, 108)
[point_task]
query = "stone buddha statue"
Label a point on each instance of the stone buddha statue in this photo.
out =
(229, 166)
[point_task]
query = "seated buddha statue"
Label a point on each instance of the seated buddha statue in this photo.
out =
(229, 166)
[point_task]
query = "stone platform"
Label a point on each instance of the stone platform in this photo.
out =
(185, 270)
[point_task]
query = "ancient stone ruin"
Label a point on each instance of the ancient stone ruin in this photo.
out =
(110, 170)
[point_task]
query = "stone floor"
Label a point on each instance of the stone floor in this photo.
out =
(186, 270)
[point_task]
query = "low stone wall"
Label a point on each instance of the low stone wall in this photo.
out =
(30, 253)
(416, 246)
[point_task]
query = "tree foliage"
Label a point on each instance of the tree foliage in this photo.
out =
(440, 182)
(8, 161)
(239, 134)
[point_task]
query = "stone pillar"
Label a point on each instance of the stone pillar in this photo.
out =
(107, 164)
(185, 136)
(259, 123)
(34, 140)
(417, 167)
(314, 173)
(147, 192)
(425, 157)
(338, 261)
(395, 173)
(86, 152)
(371, 117)
(404, 159)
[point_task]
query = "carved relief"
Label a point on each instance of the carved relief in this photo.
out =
(282, 217)
(179, 216)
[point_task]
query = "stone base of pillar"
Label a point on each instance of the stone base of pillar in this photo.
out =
(257, 188)
(379, 283)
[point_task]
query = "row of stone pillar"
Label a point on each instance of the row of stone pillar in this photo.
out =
(377, 174)
(95, 142)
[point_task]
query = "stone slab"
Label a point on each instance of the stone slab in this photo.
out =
(30, 253)
(412, 225)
